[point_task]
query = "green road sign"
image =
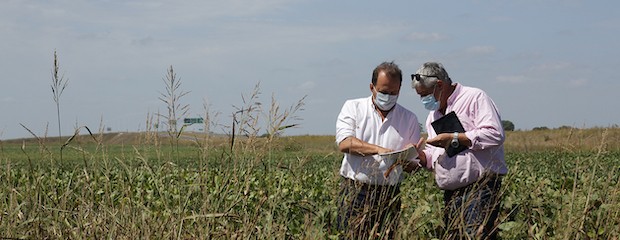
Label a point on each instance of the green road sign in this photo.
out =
(193, 120)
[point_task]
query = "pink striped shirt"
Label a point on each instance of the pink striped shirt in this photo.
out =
(482, 123)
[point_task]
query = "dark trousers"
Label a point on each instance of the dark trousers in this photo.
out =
(368, 211)
(470, 212)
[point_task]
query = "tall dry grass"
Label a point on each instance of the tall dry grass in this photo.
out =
(241, 189)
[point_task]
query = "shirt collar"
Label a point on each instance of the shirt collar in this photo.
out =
(455, 93)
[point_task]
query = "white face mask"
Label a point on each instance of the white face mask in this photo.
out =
(384, 101)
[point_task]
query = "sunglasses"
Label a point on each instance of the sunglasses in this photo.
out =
(418, 77)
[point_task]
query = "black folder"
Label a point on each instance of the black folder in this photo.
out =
(449, 123)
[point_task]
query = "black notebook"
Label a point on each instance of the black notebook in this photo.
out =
(448, 124)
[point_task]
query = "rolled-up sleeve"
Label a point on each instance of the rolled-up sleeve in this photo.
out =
(488, 131)
(345, 124)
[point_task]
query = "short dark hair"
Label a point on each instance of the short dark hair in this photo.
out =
(390, 69)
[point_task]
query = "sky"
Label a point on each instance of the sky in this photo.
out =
(544, 63)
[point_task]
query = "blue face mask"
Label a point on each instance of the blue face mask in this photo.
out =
(384, 101)
(429, 101)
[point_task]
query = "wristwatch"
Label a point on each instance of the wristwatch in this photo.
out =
(455, 140)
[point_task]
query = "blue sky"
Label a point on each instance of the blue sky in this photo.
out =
(545, 63)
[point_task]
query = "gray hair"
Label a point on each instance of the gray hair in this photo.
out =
(429, 73)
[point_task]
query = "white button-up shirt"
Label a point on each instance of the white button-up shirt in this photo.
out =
(482, 123)
(358, 118)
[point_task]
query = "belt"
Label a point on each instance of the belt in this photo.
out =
(367, 186)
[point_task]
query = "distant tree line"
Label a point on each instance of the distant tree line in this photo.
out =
(508, 125)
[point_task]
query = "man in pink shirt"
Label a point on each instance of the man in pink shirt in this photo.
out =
(471, 179)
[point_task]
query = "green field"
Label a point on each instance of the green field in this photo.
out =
(562, 183)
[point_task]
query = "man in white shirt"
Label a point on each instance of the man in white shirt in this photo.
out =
(369, 198)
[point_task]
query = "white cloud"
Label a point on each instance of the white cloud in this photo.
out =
(551, 67)
(143, 41)
(309, 85)
(425, 37)
(7, 99)
(480, 50)
(579, 82)
(474, 52)
(512, 79)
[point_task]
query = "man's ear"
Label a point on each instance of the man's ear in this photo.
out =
(439, 83)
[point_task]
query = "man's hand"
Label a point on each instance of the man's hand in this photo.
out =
(411, 166)
(442, 140)
(356, 146)
(421, 154)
